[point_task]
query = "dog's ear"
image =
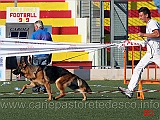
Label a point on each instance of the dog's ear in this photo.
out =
(23, 61)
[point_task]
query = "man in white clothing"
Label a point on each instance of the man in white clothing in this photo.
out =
(153, 50)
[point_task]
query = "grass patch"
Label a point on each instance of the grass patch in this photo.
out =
(104, 106)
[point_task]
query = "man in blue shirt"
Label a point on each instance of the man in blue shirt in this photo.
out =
(40, 59)
(40, 34)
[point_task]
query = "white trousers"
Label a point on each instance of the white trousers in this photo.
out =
(140, 67)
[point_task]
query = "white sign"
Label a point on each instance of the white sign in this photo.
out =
(2, 69)
(22, 14)
(2, 59)
(2, 32)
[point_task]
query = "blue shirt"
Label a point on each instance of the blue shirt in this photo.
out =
(41, 35)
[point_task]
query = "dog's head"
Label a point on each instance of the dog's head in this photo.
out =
(20, 69)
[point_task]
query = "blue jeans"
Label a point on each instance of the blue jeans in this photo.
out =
(38, 60)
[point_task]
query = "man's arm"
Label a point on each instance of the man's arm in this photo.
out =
(32, 36)
(155, 34)
(50, 37)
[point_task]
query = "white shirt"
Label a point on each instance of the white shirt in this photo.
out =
(153, 45)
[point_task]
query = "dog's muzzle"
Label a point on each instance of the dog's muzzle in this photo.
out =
(17, 72)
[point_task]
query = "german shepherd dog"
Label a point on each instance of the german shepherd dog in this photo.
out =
(46, 75)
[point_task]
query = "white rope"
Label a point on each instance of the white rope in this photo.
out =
(20, 47)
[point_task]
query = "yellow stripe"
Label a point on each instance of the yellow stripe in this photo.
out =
(2, 21)
(138, 22)
(106, 22)
(67, 38)
(131, 21)
(135, 22)
(41, 5)
(136, 55)
(137, 5)
(64, 5)
(106, 5)
(56, 22)
(75, 56)
(131, 5)
(59, 22)
(134, 37)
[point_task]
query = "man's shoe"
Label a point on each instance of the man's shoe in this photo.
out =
(126, 92)
(36, 89)
(43, 89)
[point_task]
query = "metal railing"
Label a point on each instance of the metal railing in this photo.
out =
(94, 10)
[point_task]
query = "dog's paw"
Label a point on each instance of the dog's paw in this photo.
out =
(55, 98)
(84, 99)
(19, 93)
(48, 99)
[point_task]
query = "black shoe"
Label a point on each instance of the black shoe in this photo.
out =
(43, 89)
(36, 89)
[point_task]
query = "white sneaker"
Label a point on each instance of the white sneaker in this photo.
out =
(126, 92)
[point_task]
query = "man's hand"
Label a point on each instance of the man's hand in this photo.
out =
(141, 34)
(29, 59)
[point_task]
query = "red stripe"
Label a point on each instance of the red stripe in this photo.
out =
(2, 14)
(106, 29)
(137, 48)
(64, 0)
(131, 29)
(33, 1)
(106, 13)
(73, 64)
(47, 14)
(136, 29)
(65, 30)
(134, 13)
(126, 0)
(55, 14)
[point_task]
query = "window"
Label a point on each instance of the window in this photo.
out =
(23, 35)
(14, 34)
(19, 35)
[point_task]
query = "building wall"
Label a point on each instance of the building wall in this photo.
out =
(61, 15)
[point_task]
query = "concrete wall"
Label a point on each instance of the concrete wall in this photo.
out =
(103, 74)
(82, 24)
(72, 5)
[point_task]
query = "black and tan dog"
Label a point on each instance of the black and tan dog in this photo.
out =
(46, 75)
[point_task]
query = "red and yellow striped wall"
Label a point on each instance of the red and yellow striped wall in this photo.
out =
(57, 14)
(134, 24)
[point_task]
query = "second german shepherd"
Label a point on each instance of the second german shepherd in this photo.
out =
(46, 75)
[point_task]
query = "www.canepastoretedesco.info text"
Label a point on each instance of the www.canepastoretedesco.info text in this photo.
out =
(80, 105)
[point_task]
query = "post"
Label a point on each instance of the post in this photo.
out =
(103, 51)
(112, 32)
(15, 3)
